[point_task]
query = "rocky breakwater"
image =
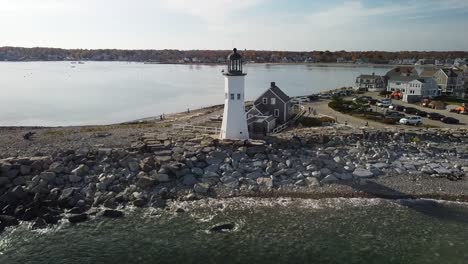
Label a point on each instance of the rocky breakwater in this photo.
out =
(75, 184)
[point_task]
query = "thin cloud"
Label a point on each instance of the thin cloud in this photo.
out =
(355, 11)
(210, 10)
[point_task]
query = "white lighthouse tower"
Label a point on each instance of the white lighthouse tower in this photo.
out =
(234, 122)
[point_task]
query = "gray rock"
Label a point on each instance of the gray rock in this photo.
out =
(4, 181)
(442, 170)
(254, 175)
(77, 218)
(80, 171)
(202, 187)
(163, 158)
(197, 171)
(189, 180)
(362, 173)
(265, 181)
(21, 180)
(329, 179)
(133, 166)
(57, 167)
(312, 181)
(344, 176)
(145, 182)
(162, 177)
(47, 176)
(111, 213)
(6, 220)
(25, 169)
(74, 178)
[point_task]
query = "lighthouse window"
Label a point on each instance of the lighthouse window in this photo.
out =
(273, 101)
(238, 97)
(225, 96)
(265, 100)
(232, 96)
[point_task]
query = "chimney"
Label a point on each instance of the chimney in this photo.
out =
(273, 84)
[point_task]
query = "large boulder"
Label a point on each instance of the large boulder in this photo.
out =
(202, 187)
(362, 173)
(81, 170)
(7, 220)
(265, 181)
(4, 181)
(57, 167)
(145, 181)
(77, 218)
(111, 213)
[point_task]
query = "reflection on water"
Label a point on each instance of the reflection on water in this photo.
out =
(266, 231)
(53, 93)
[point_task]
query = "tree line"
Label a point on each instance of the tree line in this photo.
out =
(218, 56)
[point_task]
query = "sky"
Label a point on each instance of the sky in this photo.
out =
(295, 25)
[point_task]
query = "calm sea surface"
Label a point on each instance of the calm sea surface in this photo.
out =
(265, 231)
(61, 93)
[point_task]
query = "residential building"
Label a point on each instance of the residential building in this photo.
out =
(373, 83)
(428, 72)
(402, 71)
(419, 88)
(399, 77)
(271, 108)
(450, 82)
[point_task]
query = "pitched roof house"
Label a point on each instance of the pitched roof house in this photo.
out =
(373, 83)
(272, 103)
(402, 71)
(450, 82)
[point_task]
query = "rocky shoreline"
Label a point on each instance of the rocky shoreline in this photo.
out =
(314, 163)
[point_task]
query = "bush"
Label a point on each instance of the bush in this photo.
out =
(311, 122)
(326, 119)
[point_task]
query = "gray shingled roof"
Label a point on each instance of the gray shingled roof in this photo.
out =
(280, 93)
(428, 72)
(400, 78)
(369, 76)
(450, 72)
(402, 70)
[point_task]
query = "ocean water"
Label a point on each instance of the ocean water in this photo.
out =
(61, 93)
(265, 231)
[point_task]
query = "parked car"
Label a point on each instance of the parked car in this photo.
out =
(411, 120)
(450, 120)
(373, 101)
(385, 102)
(313, 97)
(394, 115)
(398, 108)
(435, 116)
(421, 113)
(410, 110)
(324, 96)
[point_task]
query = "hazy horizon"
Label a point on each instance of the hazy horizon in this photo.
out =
(297, 25)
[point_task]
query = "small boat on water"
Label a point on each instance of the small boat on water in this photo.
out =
(80, 62)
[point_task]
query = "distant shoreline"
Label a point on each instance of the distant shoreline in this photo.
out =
(314, 64)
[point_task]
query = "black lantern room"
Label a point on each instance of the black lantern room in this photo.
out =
(234, 63)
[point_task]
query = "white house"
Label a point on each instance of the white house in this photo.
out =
(420, 88)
